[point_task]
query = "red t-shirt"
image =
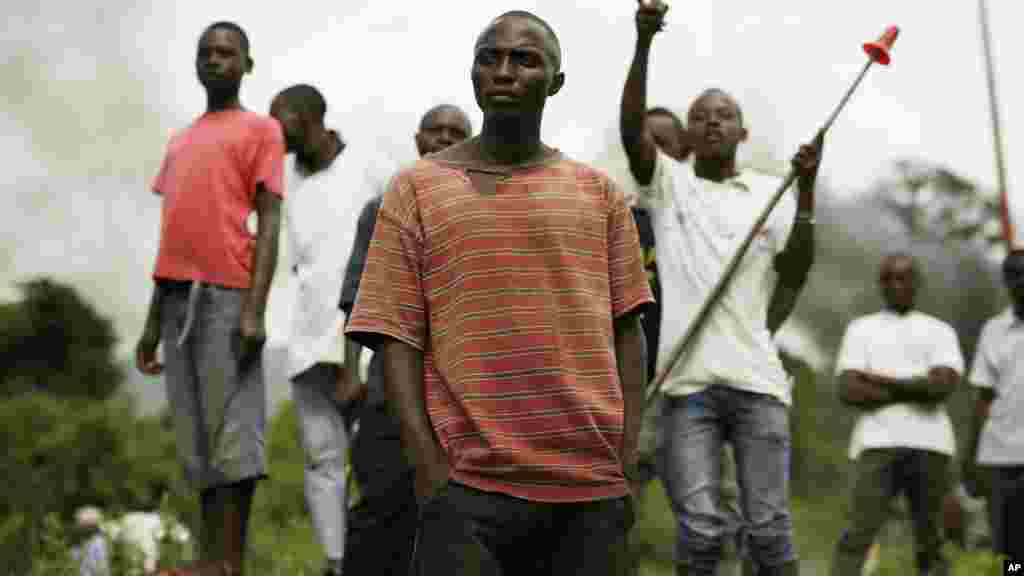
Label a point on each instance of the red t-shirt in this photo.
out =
(512, 298)
(208, 181)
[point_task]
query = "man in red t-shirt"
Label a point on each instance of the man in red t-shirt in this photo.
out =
(213, 273)
(503, 290)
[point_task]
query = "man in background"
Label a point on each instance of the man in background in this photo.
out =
(330, 178)
(997, 433)
(897, 367)
(382, 525)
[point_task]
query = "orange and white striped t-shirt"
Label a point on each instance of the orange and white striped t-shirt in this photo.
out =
(512, 298)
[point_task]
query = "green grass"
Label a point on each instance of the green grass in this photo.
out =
(817, 525)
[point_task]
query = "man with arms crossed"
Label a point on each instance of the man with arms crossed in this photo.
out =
(731, 387)
(508, 277)
(898, 366)
(331, 178)
(382, 526)
(997, 434)
(212, 280)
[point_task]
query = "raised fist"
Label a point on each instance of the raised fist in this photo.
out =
(650, 16)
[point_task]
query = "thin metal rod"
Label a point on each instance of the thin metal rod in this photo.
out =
(993, 104)
(683, 344)
(846, 97)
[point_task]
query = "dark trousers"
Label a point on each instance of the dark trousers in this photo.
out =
(382, 527)
(1006, 511)
(881, 475)
(467, 532)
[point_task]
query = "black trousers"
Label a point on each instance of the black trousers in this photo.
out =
(1006, 511)
(468, 532)
(381, 528)
(883, 474)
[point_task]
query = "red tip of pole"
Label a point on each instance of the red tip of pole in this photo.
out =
(879, 49)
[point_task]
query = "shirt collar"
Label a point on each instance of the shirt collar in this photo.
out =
(744, 180)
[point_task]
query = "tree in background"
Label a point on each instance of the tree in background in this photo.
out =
(54, 341)
(67, 437)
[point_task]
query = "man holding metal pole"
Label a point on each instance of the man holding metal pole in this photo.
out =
(732, 386)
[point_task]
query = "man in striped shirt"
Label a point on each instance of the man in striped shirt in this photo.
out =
(503, 289)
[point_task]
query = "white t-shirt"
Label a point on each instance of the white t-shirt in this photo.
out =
(901, 346)
(698, 226)
(999, 365)
(321, 211)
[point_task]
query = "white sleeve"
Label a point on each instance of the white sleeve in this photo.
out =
(983, 371)
(947, 349)
(659, 193)
(292, 183)
(853, 353)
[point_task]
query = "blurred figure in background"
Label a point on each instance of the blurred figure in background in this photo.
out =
(91, 551)
(897, 367)
(997, 432)
(382, 525)
(329, 179)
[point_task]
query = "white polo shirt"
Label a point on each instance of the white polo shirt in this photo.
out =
(698, 226)
(320, 212)
(999, 365)
(901, 346)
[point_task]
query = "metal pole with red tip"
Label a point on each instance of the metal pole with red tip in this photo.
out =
(877, 51)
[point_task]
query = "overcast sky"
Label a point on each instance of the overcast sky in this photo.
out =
(92, 93)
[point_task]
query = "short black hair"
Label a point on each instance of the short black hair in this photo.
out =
(556, 53)
(233, 27)
(723, 93)
(662, 111)
(306, 98)
(915, 269)
(1013, 254)
(442, 108)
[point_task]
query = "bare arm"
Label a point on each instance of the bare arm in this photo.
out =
(636, 140)
(858, 390)
(793, 265)
(252, 327)
(145, 350)
(631, 358)
(640, 147)
(931, 389)
(794, 262)
(403, 385)
(268, 208)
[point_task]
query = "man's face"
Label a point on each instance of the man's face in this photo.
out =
(1013, 276)
(440, 130)
(513, 72)
(291, 124)
(220, 60)
(898, 280)
(715, 126)
(667, 136)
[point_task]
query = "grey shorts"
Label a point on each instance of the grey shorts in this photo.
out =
(219, 410)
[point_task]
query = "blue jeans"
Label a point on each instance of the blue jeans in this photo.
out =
(694, 429)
